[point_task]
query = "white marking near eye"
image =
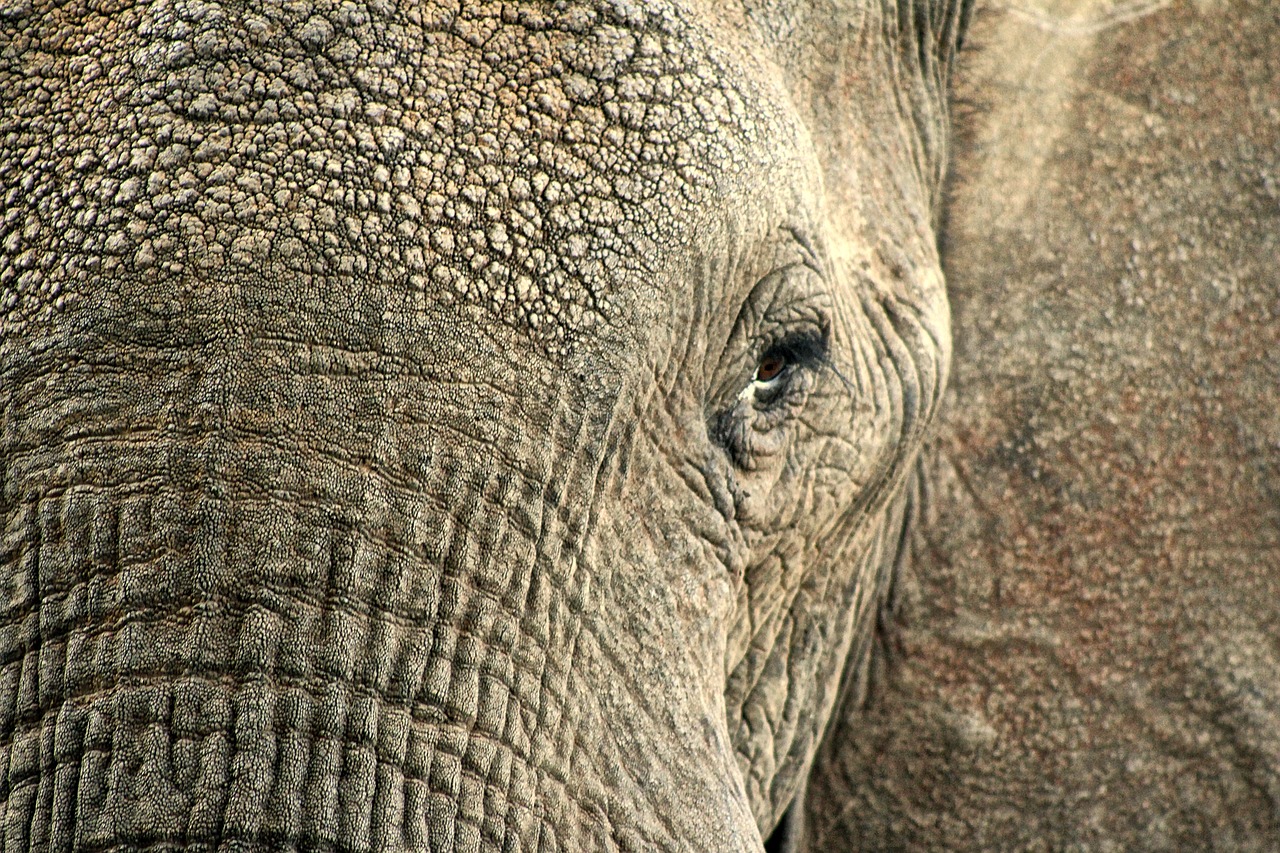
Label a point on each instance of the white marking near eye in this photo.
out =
(757, 384)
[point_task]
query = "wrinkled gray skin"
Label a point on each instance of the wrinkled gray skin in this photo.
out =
(382, 462)
(1087, 650)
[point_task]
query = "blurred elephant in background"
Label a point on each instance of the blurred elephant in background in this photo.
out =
(1085, 641)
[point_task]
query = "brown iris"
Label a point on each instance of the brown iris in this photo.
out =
(770, 367)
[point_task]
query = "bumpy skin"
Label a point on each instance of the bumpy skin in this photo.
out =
(382, 463)
(1089, 651)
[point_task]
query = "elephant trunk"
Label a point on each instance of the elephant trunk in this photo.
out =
(265, 591)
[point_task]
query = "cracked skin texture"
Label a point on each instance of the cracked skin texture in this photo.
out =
(382, 466)
(1089, 652)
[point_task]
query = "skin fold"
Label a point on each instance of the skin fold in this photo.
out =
(387, 457)
(1084, 652)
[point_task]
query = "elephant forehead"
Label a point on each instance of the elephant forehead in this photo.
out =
(524, 158)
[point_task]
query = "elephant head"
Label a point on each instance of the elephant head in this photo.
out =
(452, 427)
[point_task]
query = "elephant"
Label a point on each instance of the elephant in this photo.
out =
(1082, 650)
(454, 426)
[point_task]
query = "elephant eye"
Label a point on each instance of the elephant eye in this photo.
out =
(753, 425)
(771, 367)
(795, 351)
